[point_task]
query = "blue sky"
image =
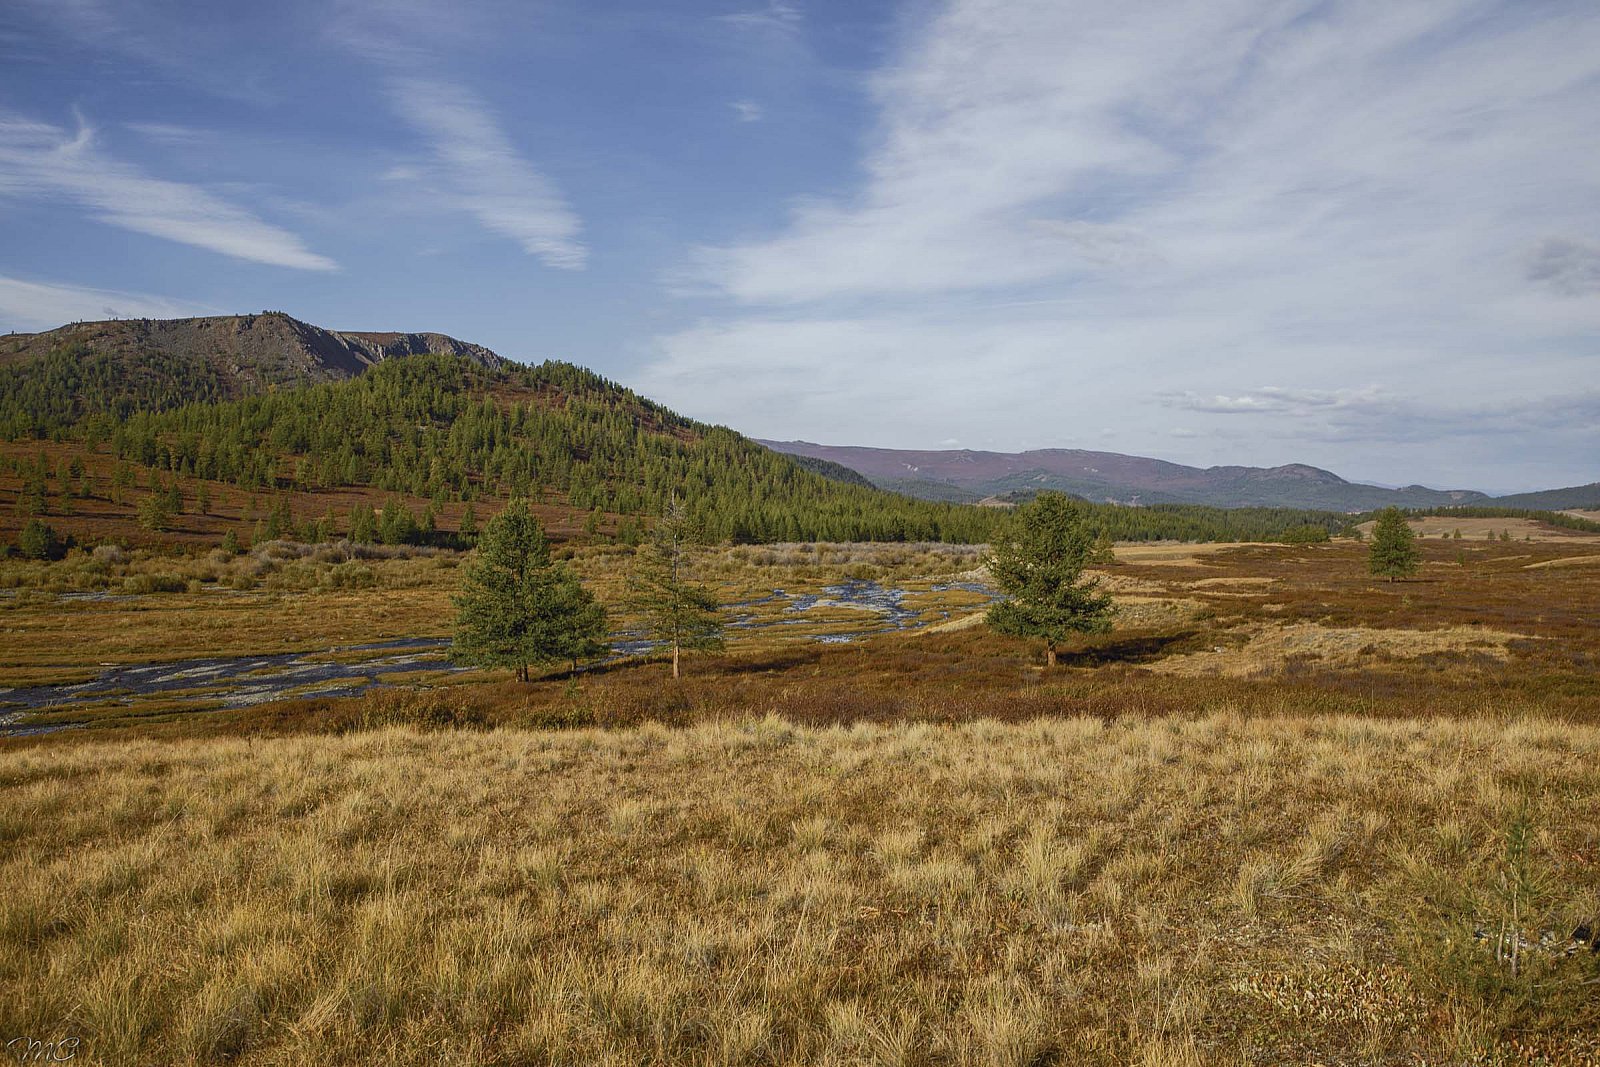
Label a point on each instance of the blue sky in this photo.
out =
(1364, 235)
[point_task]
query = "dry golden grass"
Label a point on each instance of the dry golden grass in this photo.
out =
(1266, 649)
(1180, 891)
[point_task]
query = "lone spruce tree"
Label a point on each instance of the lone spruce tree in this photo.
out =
(517, 607)
(1038, 564)
(678, 612)
(1393, 553)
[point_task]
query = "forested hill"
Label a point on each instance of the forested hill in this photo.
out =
(122, 366)
(446, 428)
(1577, 496)
(449, 429)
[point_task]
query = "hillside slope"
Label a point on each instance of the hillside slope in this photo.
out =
(1114, 478)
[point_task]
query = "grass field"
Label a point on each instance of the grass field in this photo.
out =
(1175, 891)
(1281, 814)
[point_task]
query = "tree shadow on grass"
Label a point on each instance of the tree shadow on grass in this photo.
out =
(1132, 648)
(763, 662)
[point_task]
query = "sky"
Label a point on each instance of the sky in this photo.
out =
(1362, 235)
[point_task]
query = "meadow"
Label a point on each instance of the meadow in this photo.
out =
(1281, 814)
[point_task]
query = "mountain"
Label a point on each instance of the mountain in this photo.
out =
(317, 426)
(125, 365)
(1109, 477)
(1577, 496)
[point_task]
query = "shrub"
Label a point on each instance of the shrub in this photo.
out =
(352, 575)
(145, 584)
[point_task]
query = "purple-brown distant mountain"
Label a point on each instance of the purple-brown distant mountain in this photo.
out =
(965, 475)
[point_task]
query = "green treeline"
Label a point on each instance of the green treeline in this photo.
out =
(448, 429)
(1478, 511)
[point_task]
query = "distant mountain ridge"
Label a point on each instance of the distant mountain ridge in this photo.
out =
(1111, 477)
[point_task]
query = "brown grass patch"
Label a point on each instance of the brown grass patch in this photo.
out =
(1267, 649)
(1564, 561)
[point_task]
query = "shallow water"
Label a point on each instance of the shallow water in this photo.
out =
(240, 681)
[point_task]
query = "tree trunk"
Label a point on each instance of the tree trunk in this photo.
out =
(1050, 655)
(674, 661)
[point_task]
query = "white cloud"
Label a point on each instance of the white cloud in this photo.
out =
(30, 305)
(1273, 399)
(1074, 208)
(486, 175)
(778, 17)
(746, 110)
(172, 135)
(43, 162)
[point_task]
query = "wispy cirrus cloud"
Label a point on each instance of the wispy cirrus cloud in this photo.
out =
(484, 173)
(1310, 193)
(40, 161)
(476, 166)
(779, 17)
(1273, 400)
(31, 305)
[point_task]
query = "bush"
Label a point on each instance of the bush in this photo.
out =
(352, 576)
(145, 584)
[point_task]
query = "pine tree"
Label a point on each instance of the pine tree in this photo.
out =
(1104, 551)
(153, 513)
(1038, 564)
(39, 541)
(1394, 551)
(363, 525)
(517, 607)
(469, 526)
(679, 613)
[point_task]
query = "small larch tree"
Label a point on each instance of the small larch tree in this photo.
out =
(678, 612)
(519, 608)
(154, 514)
(1393, 552)
(1038, 563)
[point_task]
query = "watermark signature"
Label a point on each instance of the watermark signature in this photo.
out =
(32, 1050)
